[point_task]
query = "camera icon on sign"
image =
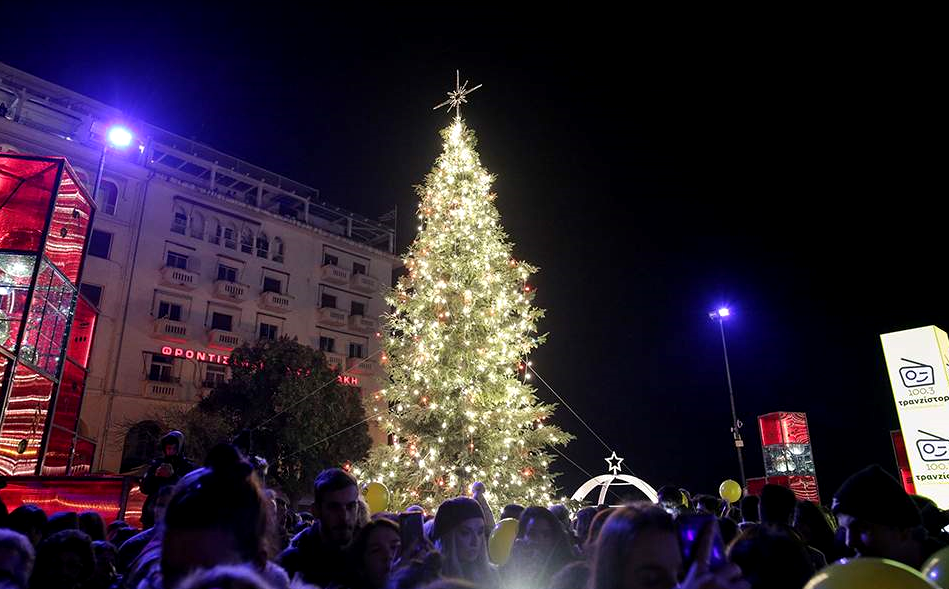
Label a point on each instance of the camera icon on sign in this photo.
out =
(917, 374)
(933, 448)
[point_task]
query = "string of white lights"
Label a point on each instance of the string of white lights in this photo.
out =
(575, 414)
(331, 436)
(308, 395)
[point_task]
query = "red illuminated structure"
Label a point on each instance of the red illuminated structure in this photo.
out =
(788, 458)
(46, 328)
(902, 461)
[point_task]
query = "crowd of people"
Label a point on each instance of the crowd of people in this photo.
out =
(219, 527)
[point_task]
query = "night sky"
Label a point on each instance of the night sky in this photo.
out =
(653, 168)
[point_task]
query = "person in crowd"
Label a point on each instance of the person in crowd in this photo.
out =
(91, 523)
(776, 507)
(638, 548)
(671, 499)
(281, 518)
(104, 574)
(217, 515)
(16, 559)
(131, 548)
(562, 514)
(935, 520)
(512, 511)
(167, 469)
(420, 572)
(748, 507)
(225, 577)
(772, 557)
(575, 575)
(479, 494)
(816, 528)
(60, 521)
(459, 534)
(878, 518)
(373, 553)
(318, 554)
(595, 526)
(708, 504)
(582, 524)
(30, 521)
(64, 560)
(542, 548)
(728, 529)
(113, 527)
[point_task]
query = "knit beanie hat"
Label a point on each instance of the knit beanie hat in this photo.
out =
(453, 512)
(873, 495)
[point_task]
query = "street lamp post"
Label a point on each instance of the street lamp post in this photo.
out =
(117, 136)
(719, 316)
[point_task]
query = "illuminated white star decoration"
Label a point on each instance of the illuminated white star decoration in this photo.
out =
(614, 468)
(605, 482)
(458, 96)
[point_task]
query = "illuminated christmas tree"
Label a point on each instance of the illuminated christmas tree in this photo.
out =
(454, 345)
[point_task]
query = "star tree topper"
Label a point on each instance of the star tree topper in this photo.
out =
(614, 468)
(458, 96)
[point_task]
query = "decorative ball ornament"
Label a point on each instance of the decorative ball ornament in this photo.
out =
(730, 491)
(936, 569)
(377, 496)
(868, 573)
(502, 540)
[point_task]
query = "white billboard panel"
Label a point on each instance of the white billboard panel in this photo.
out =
(917, 361)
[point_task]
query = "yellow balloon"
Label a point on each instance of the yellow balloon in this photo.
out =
(868, 573)
(729, 490)
(502, 540)
(377, 496)
(936, 569)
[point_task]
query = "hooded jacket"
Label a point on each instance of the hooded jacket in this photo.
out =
(181, 466)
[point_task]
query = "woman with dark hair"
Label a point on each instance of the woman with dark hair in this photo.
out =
(772, 557)
(541, 549)
(816, 528)
(638, 548)
(30, 521)
(372, 553)
(63, 561)
(92, 525)
(217, 515)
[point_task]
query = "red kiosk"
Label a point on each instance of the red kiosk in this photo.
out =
(46, 331)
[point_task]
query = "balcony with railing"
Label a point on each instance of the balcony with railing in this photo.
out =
(179, 278)
(335, 360)
(230, 291)
(170, 330)
(334, 274)
(170, 390)
(276, 301)
(361, 365)
(364, 283)
(362, 324)
(225, 340)
(331, 316)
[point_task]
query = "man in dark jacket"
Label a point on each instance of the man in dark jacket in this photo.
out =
(318, 553)
(167, 469)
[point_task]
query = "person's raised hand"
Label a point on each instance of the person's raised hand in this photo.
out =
(701, 577)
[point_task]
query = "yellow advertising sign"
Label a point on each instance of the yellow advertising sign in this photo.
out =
(917, 361)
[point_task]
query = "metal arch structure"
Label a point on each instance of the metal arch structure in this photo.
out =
(604, 481)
